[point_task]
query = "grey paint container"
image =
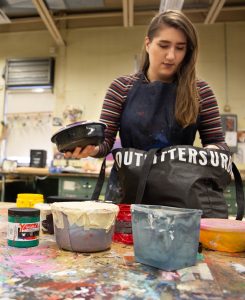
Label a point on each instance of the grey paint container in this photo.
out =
(84, 226)
(165, 237)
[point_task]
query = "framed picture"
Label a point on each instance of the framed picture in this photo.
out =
(229, 125)
(230, 122)
(241, 136)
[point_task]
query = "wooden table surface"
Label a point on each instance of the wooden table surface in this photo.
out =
(46, 272)
(44, 172)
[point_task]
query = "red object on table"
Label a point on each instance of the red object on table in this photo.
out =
(123, 229)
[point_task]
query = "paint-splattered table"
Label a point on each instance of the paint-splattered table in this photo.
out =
(48, 273)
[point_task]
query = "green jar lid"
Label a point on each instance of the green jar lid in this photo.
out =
(23, 211)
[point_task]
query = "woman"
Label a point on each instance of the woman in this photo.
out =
(164, 103)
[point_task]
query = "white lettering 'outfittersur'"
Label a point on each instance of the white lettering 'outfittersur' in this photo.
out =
(201, 157)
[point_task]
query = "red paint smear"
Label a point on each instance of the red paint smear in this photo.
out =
(62, 286)
(129, 260)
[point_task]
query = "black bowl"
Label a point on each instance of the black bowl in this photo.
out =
(79, 134)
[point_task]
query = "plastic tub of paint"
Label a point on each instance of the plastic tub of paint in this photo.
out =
(23, 227)
(46, 217)
(223, 234)
(28, 200)
(123, 228)
(84, 226)
(165, 237)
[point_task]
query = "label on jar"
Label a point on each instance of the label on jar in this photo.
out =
(23, 231)
(123, 227)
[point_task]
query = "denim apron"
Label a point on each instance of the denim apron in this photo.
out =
(148, 121)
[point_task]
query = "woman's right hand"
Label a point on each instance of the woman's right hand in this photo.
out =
(78, 152)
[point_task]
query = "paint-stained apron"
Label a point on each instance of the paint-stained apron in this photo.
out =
(148, 121)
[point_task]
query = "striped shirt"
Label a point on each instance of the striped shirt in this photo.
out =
(210, 128)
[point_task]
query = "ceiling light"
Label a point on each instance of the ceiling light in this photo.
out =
(38, 90)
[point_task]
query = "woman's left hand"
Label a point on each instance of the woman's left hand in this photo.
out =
(78, 152)
(211, 147)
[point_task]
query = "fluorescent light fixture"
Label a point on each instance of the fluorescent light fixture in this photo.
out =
(38, 90)
(30, 89)
(171, 5)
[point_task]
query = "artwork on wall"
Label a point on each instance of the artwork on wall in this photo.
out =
(57, 121)
(239, 156)
(28, 116)
(72, 114)
(229, 125)
(241, 136)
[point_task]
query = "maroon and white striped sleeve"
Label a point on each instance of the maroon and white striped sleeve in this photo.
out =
(111, 110)
(210, 128)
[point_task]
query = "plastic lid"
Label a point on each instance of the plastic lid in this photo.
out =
(226, 225)
(28, 200)
(84, 207)
(15, 211)
(30, 196)
(88, 214)
(43, 207)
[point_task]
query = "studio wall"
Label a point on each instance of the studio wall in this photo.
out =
(94, 57)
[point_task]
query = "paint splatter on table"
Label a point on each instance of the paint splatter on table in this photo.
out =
(46, 272)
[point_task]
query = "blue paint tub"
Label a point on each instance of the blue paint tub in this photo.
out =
(165, 237)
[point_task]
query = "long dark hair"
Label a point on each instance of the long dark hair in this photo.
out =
(187, 101)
